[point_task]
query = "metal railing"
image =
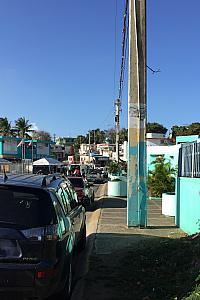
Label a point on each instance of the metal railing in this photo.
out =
(189, 160)
(21, 168)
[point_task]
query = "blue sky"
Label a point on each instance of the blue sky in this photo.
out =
(57, 63)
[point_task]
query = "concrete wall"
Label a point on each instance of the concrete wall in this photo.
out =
(188, 204)
(186, 139)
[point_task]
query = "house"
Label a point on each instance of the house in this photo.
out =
(16, 149)
(62, 152)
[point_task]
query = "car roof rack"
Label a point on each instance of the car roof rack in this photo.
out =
(5, 177)
(48, 179)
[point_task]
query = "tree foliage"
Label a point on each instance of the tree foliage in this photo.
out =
(156, 128)
(5, 127)
(162, 178)
(113, 168)
(96, 136)
(23, 127)
(41, 135)
(123, 135)
(192, 129)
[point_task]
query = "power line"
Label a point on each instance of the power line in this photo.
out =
(123, 55)
(152, 70)
(115, 45)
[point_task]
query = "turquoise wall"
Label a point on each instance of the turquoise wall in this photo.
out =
(186, 138)
(1, 147)
(188, 204)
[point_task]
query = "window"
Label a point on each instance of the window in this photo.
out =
(71, 199)
(26, 207)
(77, 182)
(60, 214)
(64, 200)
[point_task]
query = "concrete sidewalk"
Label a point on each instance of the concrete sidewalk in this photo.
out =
(113, 222)
(112, 239)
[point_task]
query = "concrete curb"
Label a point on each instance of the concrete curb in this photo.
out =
(102, 191)
(93, 222)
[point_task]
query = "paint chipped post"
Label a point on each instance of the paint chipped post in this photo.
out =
(137, 190)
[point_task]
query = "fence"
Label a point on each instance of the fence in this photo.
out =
(189, 160)
(21, 168)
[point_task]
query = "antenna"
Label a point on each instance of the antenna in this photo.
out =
(5, 177)
(44, 182)
(53, 178)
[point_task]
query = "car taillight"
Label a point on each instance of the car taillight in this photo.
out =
(80, 193)
(49, 233)
(46, 274)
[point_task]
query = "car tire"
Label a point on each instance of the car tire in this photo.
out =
(82, 242)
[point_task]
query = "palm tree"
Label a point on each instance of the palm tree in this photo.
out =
(5, 127)
(22, 126)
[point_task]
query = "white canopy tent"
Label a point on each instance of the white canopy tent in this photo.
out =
(47, 166)
(4, 162)
(47, 162)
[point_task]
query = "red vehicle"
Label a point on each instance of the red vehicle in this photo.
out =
(84, 193)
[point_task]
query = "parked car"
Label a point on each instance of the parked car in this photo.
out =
(41, 225)
(96, 176)
(83, 189)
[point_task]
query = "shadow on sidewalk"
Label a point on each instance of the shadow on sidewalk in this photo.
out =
(112, 203)
(107, 203)
(141, 267)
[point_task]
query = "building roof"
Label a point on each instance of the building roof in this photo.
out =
(4, 162)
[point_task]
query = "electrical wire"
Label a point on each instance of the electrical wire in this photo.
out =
(123, 55)
(115, 46)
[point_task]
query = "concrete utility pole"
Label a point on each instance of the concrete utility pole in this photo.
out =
(117, 112)
(137, 115)
(89, 146)
(94, 137)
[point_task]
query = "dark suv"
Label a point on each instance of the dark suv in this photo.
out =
(41, 223)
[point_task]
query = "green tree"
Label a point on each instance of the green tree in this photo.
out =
(162, 178)
(113, 168)
(156, 128)
(110, 135)
(123, 135)
(99, 136)
(80, 139)
(192, 129)
(41, 135)
(5, 127)
(23, 127)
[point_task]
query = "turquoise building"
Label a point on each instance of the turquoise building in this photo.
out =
(13, 149)
(188, 188)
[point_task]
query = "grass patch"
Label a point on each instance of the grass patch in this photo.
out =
(156, 269)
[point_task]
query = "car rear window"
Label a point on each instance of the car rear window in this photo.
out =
(77, 182)
(25, 207)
